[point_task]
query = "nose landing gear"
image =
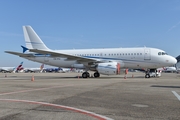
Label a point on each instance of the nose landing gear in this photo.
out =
(151, 73)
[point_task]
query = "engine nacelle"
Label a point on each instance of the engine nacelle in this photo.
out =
(111, 68)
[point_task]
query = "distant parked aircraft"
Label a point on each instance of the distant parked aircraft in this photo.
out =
(40, 69)
(52, 69)
(11, 69)
(59, 69)
(168, 69)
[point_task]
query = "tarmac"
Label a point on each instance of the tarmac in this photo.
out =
(67, 96)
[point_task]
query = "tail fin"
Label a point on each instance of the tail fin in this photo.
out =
(32, 40)
(41, 67)
(19, 67)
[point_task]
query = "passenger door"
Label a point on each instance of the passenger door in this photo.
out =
(147, 54)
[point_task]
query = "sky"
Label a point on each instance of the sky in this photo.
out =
(79, 24)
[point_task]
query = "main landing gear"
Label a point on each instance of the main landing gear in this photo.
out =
(86, 75)
(96, 74)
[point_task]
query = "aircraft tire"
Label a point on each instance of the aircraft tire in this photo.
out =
(85, 75)
(147, 76)
(96, 74)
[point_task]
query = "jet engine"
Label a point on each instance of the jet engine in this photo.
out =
(111, 68)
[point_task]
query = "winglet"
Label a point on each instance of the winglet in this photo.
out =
(24, 49)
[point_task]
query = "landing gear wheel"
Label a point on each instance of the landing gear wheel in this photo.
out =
(85, 75)
(88, 75)
(96, 74)
(147, 76)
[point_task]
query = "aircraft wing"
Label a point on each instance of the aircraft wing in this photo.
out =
(19, 54)
(68, 56)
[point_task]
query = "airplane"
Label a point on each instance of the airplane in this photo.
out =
(40, 69)
(11, 69)
(78, 70)
(52, 69)
(168, 69)
(64, 70)
(107, 61)
(57, 70)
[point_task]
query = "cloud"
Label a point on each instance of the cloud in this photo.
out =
(174, 26)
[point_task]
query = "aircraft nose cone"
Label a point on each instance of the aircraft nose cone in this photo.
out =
(173, 61)
(170, 61)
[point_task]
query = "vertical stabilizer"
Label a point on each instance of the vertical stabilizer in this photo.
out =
(19, 67)
(41, 67)
(32, 40)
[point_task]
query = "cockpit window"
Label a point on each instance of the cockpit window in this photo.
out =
(159, 53)
(162, 53)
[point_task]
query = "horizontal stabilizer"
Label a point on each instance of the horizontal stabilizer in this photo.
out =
(19, 54)
(24, 49)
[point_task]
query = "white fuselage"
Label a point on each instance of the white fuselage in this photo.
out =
(7, 69)
(128, 57)
(32, 69)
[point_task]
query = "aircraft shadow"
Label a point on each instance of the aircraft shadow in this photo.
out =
(162, 86)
